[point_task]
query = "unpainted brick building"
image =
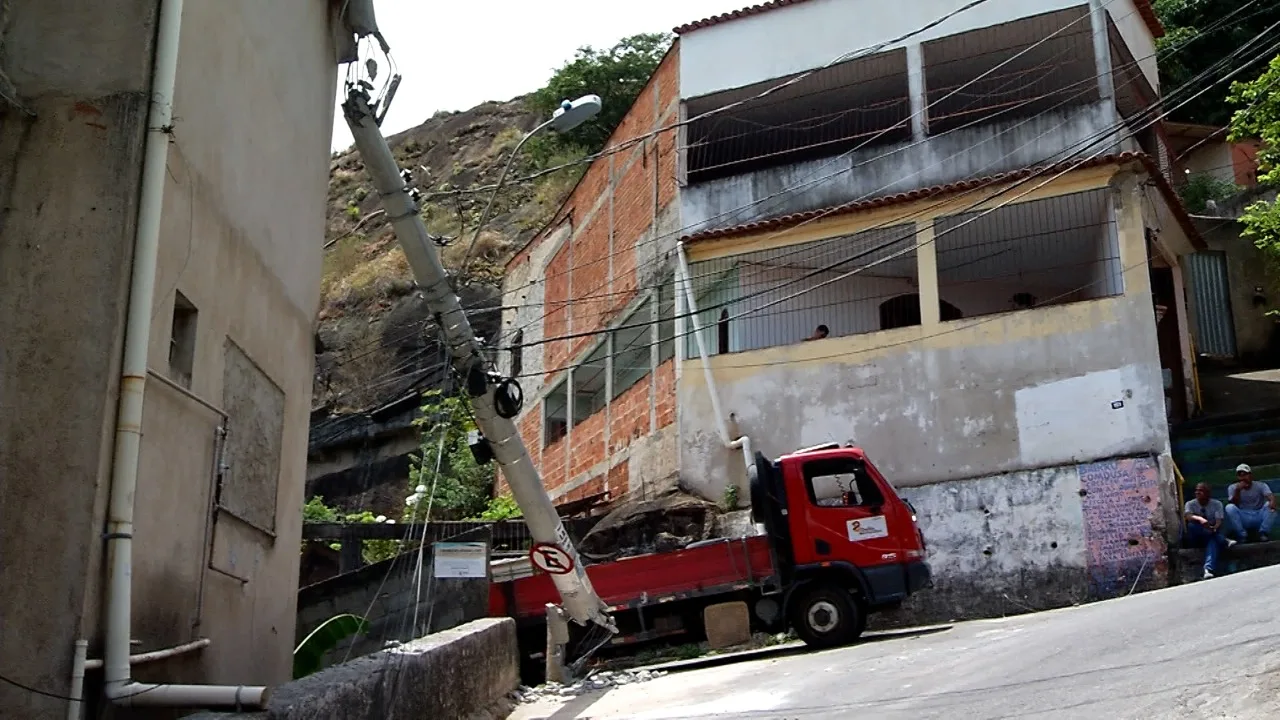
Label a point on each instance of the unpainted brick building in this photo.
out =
(603, 430)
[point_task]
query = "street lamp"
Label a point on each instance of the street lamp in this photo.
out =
(566, 117)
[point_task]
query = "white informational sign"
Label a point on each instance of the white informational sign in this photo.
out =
(460, 560)
(867, 528)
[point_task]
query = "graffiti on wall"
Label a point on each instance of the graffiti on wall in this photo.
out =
(1121, 500)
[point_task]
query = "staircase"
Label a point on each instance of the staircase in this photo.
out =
(1208, 449)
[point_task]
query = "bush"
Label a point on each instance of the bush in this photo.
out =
(1200, 188)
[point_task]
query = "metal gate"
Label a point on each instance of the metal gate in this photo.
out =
(1215, 332)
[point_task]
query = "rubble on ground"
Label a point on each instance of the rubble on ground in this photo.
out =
(668, 522)
(594, 682)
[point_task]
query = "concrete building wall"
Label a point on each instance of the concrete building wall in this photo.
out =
(388, 596)
(254, 100)
(1037, 539)
(241, 225)
(604, 254)
(974, 152)
(948, 401)
(812, 34)
(69, 178)
(1213, 159)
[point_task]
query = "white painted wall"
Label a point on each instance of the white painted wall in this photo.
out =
(812, 34)
(1084, 417)
(1136, 34)
(1213, 158)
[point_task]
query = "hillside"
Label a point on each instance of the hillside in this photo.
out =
(375, 340)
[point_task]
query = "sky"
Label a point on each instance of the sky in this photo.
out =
(456, 54)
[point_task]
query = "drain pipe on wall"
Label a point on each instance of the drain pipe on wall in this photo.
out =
(119, 686)
(743, 442)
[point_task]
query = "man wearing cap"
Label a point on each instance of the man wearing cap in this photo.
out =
(1250, 506)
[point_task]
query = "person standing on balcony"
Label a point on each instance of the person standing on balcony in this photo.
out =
(1204, 517)
(822, 332)
(1250, 506)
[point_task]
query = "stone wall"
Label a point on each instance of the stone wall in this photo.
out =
(386, 594)
(463, 673)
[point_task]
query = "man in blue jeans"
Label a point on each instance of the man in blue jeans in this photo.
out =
(1204, 517)
(1250, 506)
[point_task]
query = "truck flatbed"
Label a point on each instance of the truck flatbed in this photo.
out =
(708, 568)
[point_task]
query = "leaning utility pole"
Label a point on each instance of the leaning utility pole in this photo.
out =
(494, 401)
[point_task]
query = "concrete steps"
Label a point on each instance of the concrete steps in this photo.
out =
(1244, 556)
(1208, 449)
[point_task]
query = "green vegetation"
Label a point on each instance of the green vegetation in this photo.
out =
(1258, 117)
(617, 75)
(309, 655)
(315, 511)
(1200, 188)
(1183, 21)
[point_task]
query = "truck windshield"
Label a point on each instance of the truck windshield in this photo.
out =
(840, 482)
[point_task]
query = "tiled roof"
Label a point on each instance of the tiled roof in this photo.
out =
(793, 219)
(1145, 9)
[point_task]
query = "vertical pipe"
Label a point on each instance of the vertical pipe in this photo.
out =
(692, 303)
(128, 441)
(118, 684)
(77, 679)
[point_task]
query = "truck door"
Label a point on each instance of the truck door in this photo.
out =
(844, 516)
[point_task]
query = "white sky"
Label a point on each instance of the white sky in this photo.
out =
(456, 54)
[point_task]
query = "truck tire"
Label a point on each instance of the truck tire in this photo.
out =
(826, 616)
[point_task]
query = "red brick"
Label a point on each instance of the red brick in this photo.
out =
(593, 277)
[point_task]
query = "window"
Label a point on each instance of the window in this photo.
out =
(555, 414)
(517, 353)
(255, 409)
(632, 348)
(589, 378)
(182, 340)
(841, 482)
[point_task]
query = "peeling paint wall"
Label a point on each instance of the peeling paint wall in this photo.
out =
(1038, 539)
(1016, 391)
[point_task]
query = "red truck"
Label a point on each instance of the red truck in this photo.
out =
(838, 543)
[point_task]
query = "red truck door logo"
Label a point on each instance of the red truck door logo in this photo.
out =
(868, 528)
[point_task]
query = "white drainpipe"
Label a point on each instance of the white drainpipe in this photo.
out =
(742, 443)
(119, 686)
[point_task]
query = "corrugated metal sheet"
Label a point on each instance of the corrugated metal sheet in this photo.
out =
(1214, 331)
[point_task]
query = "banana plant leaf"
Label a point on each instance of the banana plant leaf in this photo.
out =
(309, 655)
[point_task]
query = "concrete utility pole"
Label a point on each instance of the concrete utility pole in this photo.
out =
(553, 551)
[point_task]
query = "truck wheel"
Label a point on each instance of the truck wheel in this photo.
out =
(826, 616)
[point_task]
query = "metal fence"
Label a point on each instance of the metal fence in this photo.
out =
(510, 538)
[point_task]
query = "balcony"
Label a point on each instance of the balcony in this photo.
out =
(973, 104)
(1043, 252)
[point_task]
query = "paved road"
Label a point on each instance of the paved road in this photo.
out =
(1207, 650)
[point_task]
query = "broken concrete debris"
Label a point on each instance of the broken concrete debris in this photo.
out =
(592, 683)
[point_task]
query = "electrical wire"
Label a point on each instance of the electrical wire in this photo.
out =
(1089, 84)
(983, 201)
(1223, 20)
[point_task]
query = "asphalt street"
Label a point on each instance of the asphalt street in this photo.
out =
(1206, 650)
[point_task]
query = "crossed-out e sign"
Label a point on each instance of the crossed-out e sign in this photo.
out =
(550, 558)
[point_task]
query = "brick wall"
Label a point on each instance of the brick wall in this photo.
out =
(594, 263)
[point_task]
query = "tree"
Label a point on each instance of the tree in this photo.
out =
(617, 75)
(1258, 117)
(1185, 22)
(463, 487)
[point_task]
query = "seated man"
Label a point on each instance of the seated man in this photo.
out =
(1204, 517)
(1250, 506)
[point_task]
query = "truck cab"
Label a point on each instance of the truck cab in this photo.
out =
(845, 543)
